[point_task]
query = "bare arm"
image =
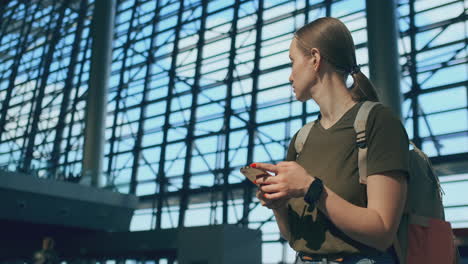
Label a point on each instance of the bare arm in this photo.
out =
(377, 224)
(374, 225)
(281, 215)
(280, 210)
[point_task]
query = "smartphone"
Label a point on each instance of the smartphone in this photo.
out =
(253, 173)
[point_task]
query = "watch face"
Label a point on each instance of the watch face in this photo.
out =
(252, 173)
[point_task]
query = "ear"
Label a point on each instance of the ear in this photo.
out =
(316, 58)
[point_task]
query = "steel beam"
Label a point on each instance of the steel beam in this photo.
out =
(5, 25)
(123, 84)
(39, 70)
(252, 124)
(304, 104)
(161, 177)
(384, 67)
(23, 44)
(68, 87)
(414, 75)
(190, 144)
(76, 100)
(102, 30)
(144, 101)
(41, 91)
(228, 109)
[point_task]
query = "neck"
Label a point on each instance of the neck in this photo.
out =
(334, 100)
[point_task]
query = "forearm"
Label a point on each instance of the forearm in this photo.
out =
(375, 225)
(361, 224)
(281, 215)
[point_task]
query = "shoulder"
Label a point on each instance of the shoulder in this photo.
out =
(292, 153)
(383, 113)
(387, 142)
(382, 117)
(384, 125)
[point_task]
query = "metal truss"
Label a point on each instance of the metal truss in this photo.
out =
(41, 113)
(197, 90)
(452, 54)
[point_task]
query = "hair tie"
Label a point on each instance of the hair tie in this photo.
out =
(355, 69)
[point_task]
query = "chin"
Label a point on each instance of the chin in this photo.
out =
(301, 98)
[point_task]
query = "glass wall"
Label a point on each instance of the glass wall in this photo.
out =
(45, 51)
(199, 89)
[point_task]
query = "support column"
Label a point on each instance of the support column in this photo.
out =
(102, 30)
(382, 35)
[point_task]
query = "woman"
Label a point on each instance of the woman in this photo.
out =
(323, 211)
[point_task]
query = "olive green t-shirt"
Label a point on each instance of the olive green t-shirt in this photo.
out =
(332, 155)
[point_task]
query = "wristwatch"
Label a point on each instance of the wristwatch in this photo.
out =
(314, 192)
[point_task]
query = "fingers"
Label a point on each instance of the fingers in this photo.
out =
(262, 199)
(265, 166)
(270, 188)
(261, 177)
(259, 194)
(285, 163)
(265, 180)
(272, 204)
(275, 196)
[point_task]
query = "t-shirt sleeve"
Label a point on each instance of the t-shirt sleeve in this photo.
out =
(388, 144)
(291, 154)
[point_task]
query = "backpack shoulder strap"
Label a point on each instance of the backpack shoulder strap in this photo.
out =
(302, 136)
(361, 137)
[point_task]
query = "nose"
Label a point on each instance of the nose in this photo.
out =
(291, 79)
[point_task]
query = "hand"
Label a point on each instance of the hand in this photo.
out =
(271, 204)
(291, 180)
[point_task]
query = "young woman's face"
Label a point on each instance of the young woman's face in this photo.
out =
(303, 76)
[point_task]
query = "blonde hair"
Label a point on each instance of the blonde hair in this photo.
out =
(335, 43)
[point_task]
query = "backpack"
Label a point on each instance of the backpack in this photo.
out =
(423, 234)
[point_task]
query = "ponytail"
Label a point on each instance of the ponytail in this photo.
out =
(363, 89)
